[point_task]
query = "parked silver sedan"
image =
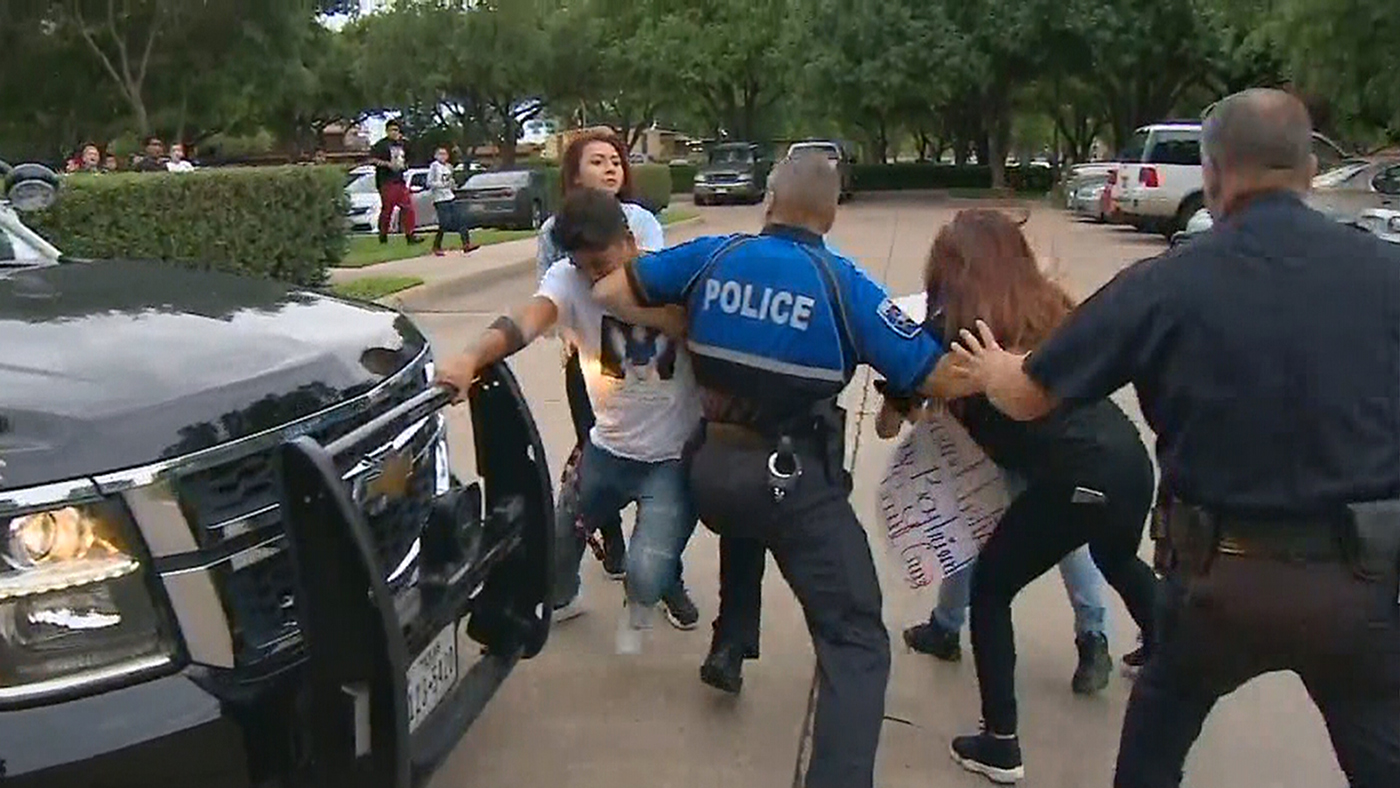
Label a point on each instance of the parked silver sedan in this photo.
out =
(1084, 185)
(1356, 185)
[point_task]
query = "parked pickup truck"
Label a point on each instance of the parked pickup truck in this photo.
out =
(233, 551)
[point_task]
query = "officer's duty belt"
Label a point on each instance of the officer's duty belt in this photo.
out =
(745, 437)
(1299, 539)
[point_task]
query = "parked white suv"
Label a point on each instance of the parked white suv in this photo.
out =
(1158, 182)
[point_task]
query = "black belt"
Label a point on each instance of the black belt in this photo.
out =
(1321, 538)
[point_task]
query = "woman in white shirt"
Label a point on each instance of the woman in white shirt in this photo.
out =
(597, 159)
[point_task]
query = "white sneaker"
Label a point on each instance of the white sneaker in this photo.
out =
(631, 625)
(573, 609)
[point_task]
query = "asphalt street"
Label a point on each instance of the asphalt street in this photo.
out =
(582, 717)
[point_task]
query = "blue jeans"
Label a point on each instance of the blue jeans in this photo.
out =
(665, 520)
(1083, 583)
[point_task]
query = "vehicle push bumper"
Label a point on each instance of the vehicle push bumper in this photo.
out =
(390, 700)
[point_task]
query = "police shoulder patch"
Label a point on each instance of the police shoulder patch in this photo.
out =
(898, 320)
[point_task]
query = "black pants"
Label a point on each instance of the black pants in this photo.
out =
(1042, 526)
(741, 565)
(581, 411)
(822, 551)
(449, 219)
(1249, 616)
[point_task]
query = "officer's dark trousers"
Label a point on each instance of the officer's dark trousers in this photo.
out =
(1246, 616)
(741, 565)
(822, 551)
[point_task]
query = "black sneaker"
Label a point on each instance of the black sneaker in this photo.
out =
(384, 238)
(413, 239)
(1133, 661)
(723, 668)
(680, 609)
(932, 639)
(1095, 665)
(998, 758)
(614, 552)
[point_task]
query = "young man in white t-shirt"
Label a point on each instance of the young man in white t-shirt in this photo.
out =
(644, 396)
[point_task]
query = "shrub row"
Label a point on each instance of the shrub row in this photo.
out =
(284, 223)
(653, 185)
(912, 175)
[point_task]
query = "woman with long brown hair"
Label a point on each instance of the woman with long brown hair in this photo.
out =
(1088, 477)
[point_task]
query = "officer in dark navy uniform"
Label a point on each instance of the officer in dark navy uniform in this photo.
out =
(1266, 356)
(776, 327)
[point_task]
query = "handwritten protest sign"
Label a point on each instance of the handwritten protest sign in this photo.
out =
(942, 496)
(941, 499)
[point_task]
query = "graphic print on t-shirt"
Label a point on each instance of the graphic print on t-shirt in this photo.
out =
(639, 352)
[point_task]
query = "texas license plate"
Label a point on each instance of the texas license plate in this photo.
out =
(431, 676)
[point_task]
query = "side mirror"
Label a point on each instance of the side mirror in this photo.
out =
(30, 187)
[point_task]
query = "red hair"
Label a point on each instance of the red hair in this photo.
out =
(982, 268)
(572, 160)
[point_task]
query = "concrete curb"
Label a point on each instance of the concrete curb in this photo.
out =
(423, 297)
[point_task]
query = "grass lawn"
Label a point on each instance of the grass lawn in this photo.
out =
(370, 288)
(677, 214)
(366, 249)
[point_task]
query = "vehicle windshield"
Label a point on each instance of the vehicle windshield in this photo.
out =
(1338, 175)
(731, 156)
(14, 250)
(1136, 146)
(362, 183)
(830, 150)
(506, 178)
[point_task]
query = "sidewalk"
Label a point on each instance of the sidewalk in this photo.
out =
(455, 275)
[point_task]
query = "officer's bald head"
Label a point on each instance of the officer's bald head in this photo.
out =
(803, 190)
(1256, 140)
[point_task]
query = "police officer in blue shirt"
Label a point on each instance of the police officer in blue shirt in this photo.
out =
(776, 326)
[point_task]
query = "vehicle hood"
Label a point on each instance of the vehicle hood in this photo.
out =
(1342, 204)
(114, 364)
(716, 169)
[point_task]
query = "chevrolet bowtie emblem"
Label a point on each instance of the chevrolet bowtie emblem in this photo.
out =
(387, 479)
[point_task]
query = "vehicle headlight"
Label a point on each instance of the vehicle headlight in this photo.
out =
(75, 604)
(1392, 225)
(442, 468)
(700, 178)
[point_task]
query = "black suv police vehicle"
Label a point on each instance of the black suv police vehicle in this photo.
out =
(232, 550)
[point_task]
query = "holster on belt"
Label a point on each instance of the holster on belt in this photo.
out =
(1375, 539)
(1192, 535)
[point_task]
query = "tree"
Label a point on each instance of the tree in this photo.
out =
(317, 89)
(733, 57)
(1345, 49)
(869, 64)
(1144, 57)
(612, 63)
(482, 65)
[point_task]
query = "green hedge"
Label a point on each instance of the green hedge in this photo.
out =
(654, 185)
(922, 175)
(285, 223)
(652, 181)
(683, 178)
